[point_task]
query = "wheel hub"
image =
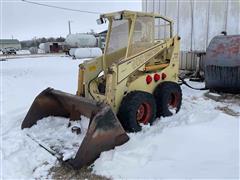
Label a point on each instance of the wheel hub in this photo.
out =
(143, 113)
(173, 100)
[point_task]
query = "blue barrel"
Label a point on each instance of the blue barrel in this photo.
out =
(222, 64)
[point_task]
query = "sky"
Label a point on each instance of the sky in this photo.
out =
(24, 21)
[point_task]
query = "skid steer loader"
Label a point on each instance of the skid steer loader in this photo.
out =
(132, 83)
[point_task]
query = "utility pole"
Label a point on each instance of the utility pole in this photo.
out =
(69, 27)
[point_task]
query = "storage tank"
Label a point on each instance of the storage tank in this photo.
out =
(81, 40)
(42, 46)
(33, 50)
(72, 51)
(87, 52)
(222, 64)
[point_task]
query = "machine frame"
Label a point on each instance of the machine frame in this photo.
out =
(129, 73)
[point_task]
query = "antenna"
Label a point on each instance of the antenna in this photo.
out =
(69, 27)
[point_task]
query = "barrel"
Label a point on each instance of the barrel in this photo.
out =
(222, 64)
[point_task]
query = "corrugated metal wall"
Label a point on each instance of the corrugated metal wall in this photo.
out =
(188, 61)
(197, 22)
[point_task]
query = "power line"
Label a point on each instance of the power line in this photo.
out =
(63, 8)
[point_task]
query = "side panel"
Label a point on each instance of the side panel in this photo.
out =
(171, 72)
(91, 70)
(132, 64)
(139, 83)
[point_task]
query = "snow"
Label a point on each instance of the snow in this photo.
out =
(67, 145)
(214, 94)
(200, 141)
(23, 52)
(23, 80)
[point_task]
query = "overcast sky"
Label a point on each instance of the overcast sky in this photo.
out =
(24, 21)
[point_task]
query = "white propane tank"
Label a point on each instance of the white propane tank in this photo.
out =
(72, 51)
(42, 46)
(87, 52)
(81, 40)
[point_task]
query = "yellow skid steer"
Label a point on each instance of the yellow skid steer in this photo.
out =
(132, 83)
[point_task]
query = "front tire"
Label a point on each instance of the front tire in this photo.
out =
(168, 97)
(137, 108)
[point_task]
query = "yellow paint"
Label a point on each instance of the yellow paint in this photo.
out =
(92, 68)
(123, 72)
(155, 67)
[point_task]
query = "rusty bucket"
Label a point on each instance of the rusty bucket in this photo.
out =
(104, 130)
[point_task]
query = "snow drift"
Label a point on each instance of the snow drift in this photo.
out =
(199, 142)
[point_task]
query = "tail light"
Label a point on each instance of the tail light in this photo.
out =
(164, 76)
(156, 77)
(148, 79)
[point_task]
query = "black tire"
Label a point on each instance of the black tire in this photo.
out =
(168, 97)
(137, 107)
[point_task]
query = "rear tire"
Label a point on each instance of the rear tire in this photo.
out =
(137, 108)
(168, 97)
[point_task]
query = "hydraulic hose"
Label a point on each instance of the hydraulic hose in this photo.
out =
(184, 82)
(89, 91)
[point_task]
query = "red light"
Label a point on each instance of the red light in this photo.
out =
(148, 79)
(156, 77)
(163, 76)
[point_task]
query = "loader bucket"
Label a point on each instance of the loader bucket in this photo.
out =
(104, 130)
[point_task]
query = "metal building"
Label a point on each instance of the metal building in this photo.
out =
(196, 22)
(52, 47)
(10, 43)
